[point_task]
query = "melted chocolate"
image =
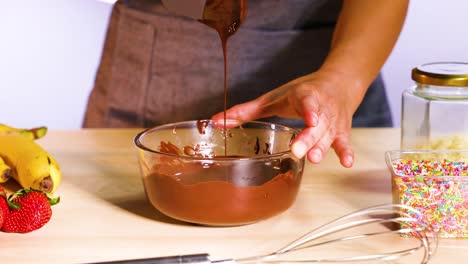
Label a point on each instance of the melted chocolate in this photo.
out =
(257, 146)
(267, 150)
(199, 150)
(169, 148)
(201, 126)
(225, 16)
(221, 194)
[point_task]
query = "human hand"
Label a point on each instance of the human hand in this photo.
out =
(326, 102)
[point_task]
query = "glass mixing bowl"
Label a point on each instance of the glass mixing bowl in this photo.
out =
(196, 172)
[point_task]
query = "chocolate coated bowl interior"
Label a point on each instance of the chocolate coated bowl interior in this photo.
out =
(250, 177)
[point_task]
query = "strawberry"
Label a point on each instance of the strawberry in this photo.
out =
(29, 211)
(3, 207)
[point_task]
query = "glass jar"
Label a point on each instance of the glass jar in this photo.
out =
(435, 109)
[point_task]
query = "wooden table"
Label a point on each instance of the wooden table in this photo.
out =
(104, 214)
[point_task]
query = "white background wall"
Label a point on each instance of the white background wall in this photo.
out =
(49, 52)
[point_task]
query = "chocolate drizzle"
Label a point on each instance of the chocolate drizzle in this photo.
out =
(225, 16)
(267, 150)
(168, 147)
(201, 126)
(257, 147)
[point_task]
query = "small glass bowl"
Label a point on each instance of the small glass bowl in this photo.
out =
(191, 173)
(435, 182)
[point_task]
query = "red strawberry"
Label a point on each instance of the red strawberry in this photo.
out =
(29, 211)
(3, 207)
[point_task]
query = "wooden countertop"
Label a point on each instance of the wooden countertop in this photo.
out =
(104, 214)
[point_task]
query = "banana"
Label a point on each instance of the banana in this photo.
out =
(5, 171)
(31, 165)
(31, 133)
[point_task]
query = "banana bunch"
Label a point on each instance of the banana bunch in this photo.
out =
(31, 133)
(26, 161)
(5, 171)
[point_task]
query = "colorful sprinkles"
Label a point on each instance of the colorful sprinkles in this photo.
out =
(438, 189)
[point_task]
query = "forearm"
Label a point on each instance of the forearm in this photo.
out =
(365, 35)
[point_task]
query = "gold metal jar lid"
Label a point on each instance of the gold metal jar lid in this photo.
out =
(442, 74)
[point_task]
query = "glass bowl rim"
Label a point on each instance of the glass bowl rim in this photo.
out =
(138, 144)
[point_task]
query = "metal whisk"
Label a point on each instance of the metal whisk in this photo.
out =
(407, 221)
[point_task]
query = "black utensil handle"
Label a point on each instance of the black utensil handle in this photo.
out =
(181, 259)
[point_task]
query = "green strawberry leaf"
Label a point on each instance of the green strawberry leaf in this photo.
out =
(12, 196)
(13, 205)
(18, 193)
(52, 200)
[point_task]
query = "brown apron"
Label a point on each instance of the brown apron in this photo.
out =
(160, 68)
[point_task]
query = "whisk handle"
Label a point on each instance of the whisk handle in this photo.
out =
(181, 259)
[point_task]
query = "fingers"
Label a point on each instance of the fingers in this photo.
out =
(230, 123)
(252, 110)
(308, 108)
(314, 141)
(243, 112)
(343, 150)
(316, 154)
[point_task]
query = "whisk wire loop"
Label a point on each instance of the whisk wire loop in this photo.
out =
(408, 219)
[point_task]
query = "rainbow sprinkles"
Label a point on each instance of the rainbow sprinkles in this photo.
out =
(438, 189)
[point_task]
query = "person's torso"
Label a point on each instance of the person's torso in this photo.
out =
(279, 41)
(270, 14)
